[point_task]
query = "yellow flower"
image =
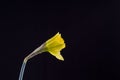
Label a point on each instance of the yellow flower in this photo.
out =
(54, 45)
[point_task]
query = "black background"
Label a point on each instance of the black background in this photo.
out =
(90, 29)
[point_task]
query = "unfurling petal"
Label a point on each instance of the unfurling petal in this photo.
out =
(54, 45)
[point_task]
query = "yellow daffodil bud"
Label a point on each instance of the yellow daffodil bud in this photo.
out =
(54, 45)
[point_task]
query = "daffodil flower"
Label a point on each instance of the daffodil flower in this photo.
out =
(54, 45)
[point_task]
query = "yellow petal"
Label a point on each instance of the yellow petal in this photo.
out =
(51, 39)
(55, 41)
(57, 55)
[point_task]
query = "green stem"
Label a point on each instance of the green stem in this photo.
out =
(34, 53)
(22, 70)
